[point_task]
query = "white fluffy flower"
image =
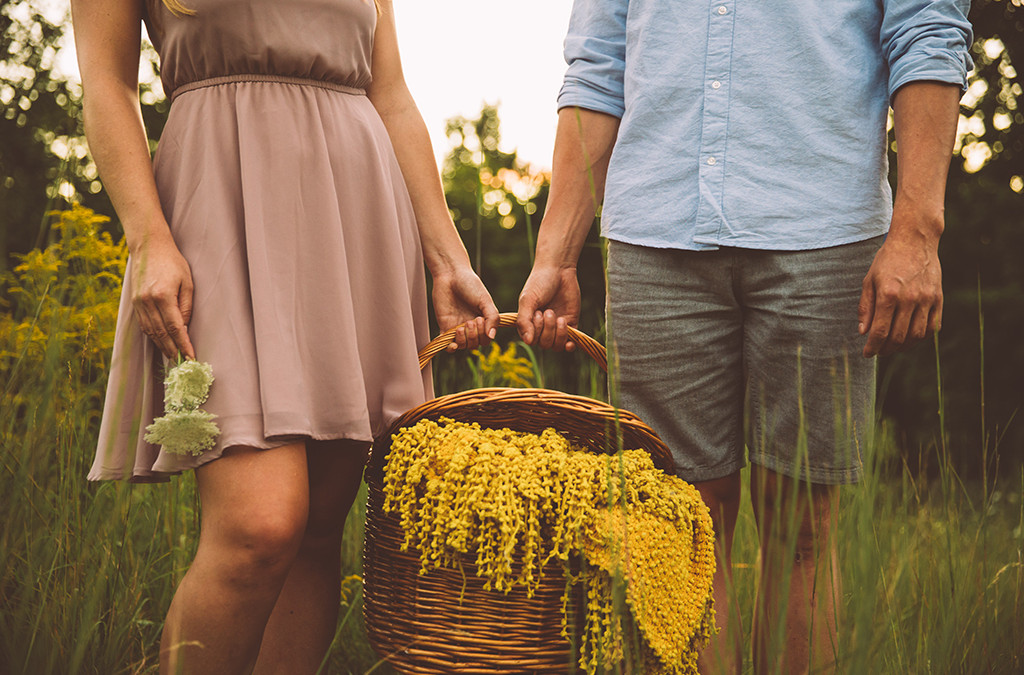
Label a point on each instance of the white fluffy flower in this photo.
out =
(187, 385)
(184, 429)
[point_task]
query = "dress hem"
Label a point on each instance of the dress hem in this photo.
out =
(158, 476)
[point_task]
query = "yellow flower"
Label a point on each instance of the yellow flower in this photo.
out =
(514, 501)
(504, 368)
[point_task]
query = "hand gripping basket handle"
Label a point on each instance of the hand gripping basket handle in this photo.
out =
(588, 344)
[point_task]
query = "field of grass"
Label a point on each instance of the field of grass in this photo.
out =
(932, 565)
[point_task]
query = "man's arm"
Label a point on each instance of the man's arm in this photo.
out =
(590, 103)
(901, 301)
(550, 300)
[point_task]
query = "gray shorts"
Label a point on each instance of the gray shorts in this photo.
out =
(721, 350)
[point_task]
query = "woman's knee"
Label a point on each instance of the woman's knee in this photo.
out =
(255, 505)
(258, 549)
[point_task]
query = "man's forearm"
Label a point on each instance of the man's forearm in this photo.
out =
(901, 301)
(925, 121)
(583, 146)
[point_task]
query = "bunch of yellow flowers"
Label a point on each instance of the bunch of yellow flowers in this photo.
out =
(512, 502)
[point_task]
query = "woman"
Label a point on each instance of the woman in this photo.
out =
(279, 235)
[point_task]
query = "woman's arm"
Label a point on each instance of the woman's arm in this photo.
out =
(459, 296)
(107, 38)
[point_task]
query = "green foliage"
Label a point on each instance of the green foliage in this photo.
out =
(496, 201)
(932, 572)
(59, 309)
(44, 162)
(86, 571)
(932, 575)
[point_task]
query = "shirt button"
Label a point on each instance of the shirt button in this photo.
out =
(722, 9)
(712, 160)
(716, 85)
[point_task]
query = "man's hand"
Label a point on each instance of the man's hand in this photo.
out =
(901, 301)
(550, 301)
(548, 305)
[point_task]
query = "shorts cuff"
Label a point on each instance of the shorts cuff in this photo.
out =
(706, 473)
(817, 475)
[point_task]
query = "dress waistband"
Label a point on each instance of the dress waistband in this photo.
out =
(281, 79)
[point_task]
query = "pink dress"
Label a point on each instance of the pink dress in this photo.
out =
(282, 191)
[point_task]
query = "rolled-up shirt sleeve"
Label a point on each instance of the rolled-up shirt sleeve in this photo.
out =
(595, 50)
(926, 40)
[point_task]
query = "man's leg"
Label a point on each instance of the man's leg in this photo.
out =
(724, 654)
(795, 621)
(675, 335)
(810, 399)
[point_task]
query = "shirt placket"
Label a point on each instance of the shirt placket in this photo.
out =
(714, 122)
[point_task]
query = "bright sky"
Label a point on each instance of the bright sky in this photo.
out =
(459, 54)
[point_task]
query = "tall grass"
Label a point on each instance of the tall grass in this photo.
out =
(932, 565)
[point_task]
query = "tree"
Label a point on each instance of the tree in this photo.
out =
(44, 163)
(496, 201)
(37, 116)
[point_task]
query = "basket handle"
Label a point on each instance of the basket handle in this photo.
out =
(588, 344)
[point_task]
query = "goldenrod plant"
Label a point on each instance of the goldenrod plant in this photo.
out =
(511, 502)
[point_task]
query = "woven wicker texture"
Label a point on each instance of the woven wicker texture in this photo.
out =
(444, 621)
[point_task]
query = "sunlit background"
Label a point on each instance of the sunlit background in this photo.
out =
(508, 54)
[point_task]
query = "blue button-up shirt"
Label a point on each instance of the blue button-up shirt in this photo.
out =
(754, 124)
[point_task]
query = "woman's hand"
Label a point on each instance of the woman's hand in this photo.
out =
(462, 302)
(162, 296)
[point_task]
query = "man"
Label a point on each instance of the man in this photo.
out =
(740, 150)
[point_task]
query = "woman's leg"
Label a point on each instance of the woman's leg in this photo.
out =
(302, 625)
(255, 504)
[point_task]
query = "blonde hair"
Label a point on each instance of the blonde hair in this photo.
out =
(178, 8)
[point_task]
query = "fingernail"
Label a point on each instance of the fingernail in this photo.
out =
(860, 328)
(491, 333)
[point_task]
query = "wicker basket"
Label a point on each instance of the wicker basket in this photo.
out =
(444, 621)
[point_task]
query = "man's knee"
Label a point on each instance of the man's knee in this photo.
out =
(794, 511)
(722, 496)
